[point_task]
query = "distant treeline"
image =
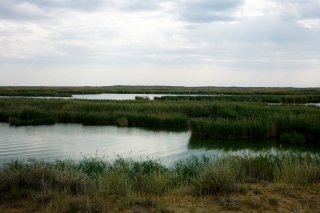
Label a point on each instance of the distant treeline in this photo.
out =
(69, 91)
(219, 119)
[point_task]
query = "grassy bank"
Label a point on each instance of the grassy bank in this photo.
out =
(94, 185)
(214, 119)
(264, 125)
(273, 98)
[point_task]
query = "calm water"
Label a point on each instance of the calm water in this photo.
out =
(72, 141)
(106, 96)
(115, 96)
(111, 96)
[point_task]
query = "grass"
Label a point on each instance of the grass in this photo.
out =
(66, 186)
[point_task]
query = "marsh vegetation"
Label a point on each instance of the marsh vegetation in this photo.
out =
(256, 182)
(94, 185)
(272, 95)
(216, 119)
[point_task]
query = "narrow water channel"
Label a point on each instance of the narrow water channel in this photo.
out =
(74, 141)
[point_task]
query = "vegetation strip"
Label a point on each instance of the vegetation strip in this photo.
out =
(52, 184)
(285, 99)
(217, 119)
(69, 91)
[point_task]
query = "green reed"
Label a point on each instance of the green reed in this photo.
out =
(125, 176)
(286, 99)
(217, 119)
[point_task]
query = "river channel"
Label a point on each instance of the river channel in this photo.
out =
(75, 141)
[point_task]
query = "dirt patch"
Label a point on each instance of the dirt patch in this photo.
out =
(262, 197)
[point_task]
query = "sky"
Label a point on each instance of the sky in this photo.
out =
(244, 43)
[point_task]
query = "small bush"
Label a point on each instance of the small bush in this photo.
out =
(122, 122)
(154, 183)
(218, 176)
(297, 169)
(115, 182)
(292, 138)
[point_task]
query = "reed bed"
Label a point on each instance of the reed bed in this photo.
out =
(69, 91)
(274, 98)
(50, 184)
(261, 127)
(217, 119)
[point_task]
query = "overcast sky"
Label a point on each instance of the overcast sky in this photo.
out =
(160, 42)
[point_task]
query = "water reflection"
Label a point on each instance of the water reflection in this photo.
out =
(110, 96)
(165, 129)
(74, 141)
(256, 145)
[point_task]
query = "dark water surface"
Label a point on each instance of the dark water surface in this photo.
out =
(74, 141)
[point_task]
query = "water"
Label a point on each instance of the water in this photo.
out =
(112, 96)
(106, 96)
(116, 96)
(74, 141)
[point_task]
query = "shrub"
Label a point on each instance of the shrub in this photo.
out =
(122, 122)
(218, 176)
(292, 138)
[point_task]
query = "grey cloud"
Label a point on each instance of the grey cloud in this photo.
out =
(25, 10)
(207, 11)
(12, 11)
(204, 17)
(142, 5)
(200, 11)
(84, 5)
(221, 5)
(297, 9)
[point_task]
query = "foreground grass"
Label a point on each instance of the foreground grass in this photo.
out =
(94, 185)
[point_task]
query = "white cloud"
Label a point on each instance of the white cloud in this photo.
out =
(193, 38)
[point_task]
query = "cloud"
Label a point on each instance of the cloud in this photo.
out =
(136, 6)
(24, 11)
(202, 11)
(37, 10)
(305, 13)
(203, 38)
(298, 9)
(83, 5)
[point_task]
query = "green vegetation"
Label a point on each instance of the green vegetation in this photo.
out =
(273, 98)
(292, 138)
(214, 119)
(95, 185)
(289, 95)
(51, 185)
(142, 98)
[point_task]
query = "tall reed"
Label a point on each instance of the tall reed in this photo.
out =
(214, 119)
